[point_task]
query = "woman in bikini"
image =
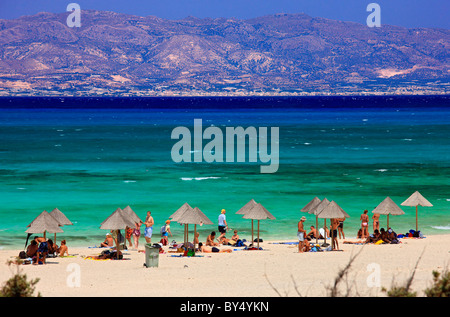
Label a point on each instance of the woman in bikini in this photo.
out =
(365, 224)
(376, 222)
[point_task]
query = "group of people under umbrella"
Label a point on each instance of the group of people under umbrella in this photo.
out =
(331, 210)
(186, 215)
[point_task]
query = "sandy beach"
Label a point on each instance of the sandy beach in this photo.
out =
(277, 270)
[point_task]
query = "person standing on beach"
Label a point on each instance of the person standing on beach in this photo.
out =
(376, 222)
(223, 226)
(365, 224)
(137, 233)
(333, 234)
(340, 227)
(301, 234)
(149, 222)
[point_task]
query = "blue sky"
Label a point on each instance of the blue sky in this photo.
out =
(408, 13)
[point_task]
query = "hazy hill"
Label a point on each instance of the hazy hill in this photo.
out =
(293, 52)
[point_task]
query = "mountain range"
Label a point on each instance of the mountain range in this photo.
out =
(119, 54)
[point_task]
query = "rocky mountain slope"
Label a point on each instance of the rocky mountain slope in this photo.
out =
(113, 53)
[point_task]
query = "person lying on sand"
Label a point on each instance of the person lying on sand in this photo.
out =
(106, 254)
(206, 249)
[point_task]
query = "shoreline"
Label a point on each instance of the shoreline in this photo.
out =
(277, 269)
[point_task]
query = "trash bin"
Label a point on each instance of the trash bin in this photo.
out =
(151, 256)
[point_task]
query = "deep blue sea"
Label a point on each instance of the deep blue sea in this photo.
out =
(89, 156)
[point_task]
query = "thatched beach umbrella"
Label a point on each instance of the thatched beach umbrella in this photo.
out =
(180, 211)
(258, 212)
(177, 214)
(316, 211)
(311, 205)
(44, 223)
(131, 214)
(333, 211)
(415, 200)
(246, 208)
(116, 221)
(388, 207)
(192, 216)
(60, 218)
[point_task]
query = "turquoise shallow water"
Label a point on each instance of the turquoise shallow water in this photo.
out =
(88, 162)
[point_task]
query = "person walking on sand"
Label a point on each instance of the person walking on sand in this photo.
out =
(301, 234)
(223, 226)
(365, 224)
(376, 222)
(149, 222)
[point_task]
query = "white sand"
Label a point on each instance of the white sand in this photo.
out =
(240, 273)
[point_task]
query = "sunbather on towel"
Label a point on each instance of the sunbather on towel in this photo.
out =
(206, 249)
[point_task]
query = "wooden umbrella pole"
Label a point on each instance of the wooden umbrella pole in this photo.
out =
(317, 229)
(252, 232)
(195, 235)
(55, 239)
(388, 221)
(258, 234)
(417, 222)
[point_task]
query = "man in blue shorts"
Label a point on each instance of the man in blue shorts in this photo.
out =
(149, 222)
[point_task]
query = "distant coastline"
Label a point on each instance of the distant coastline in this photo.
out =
(223, 102)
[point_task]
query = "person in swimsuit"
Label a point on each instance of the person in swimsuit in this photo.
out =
(364, 224)
(42, 250)
(333, 234)
(128, 234)
(206, 249)
(109, 241)
(340, 227)
(210, 240)
(137, 234)
(63, 249)
(376, 222)
(301, 234)
(149, 222)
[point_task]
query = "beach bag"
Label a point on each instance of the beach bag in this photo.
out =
(163, 229)
(239, 243)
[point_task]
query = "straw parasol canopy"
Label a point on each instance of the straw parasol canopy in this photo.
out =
(244, 209)
(258, 212)
(116, 221)
(60, 218)
(316, 211)
(333, 211)
(388, 207)
(415, 200)
(180, 211)
(191, 216)
(44, 223)
(132, 215)
(311, 205)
